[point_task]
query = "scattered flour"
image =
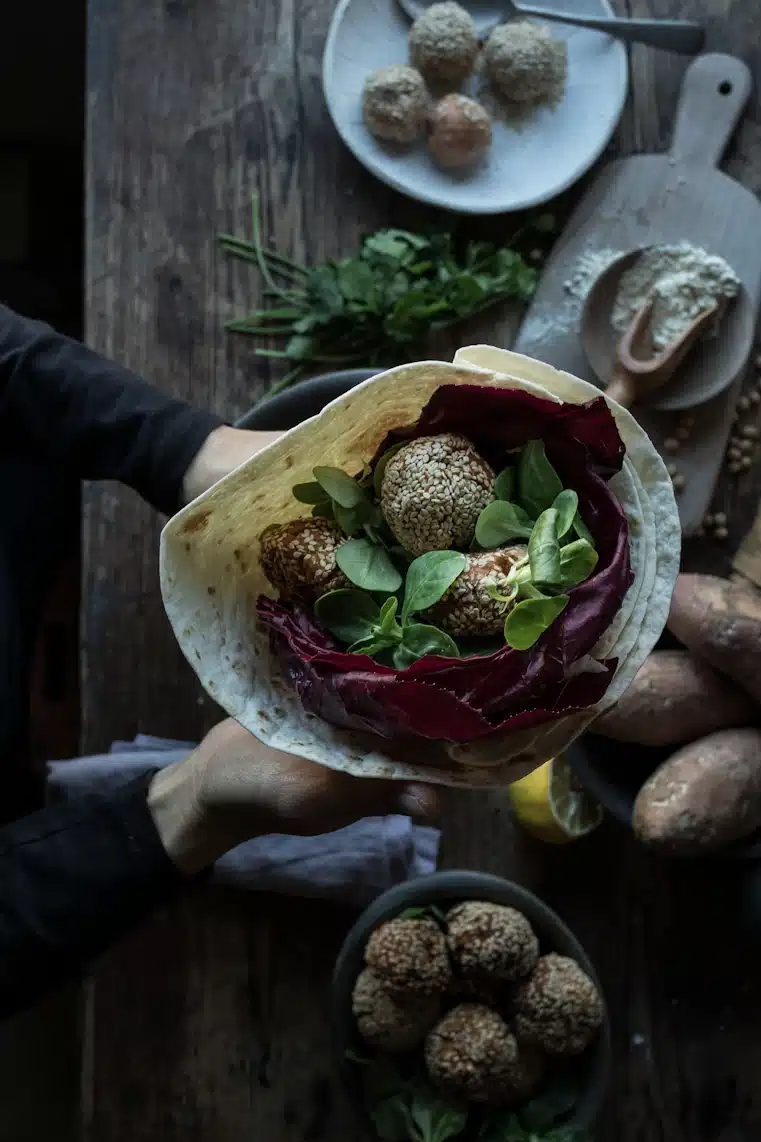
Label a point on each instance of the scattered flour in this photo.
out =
(587, 270)
(685, 280)
(546, 321)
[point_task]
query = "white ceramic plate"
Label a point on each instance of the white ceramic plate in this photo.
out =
(526, 166)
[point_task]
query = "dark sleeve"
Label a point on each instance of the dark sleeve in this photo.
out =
(62, 401)
(73, 879)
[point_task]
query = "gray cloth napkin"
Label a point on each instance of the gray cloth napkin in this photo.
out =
(352, 865)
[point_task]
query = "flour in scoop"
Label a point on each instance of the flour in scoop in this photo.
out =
(685, 280)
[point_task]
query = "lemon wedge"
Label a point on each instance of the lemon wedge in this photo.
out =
(552, 806)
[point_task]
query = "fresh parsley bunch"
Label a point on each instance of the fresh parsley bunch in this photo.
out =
(380, 306)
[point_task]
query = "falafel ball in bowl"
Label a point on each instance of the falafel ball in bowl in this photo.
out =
(468, 995)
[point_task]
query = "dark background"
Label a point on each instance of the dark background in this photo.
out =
(42, 116)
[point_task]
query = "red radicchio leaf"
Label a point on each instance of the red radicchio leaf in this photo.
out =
(461, 700)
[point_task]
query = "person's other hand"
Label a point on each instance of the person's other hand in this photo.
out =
(234, 787)
(224, 450)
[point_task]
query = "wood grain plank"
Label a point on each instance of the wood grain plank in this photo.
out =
(210, 1024)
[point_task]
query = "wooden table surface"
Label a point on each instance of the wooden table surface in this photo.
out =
(210, 1024)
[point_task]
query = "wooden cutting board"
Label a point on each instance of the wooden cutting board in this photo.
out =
(648, 199)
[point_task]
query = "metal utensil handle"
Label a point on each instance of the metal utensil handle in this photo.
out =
(673, 35)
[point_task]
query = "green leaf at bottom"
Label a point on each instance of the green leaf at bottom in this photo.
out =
(352, 616)
(419, 640)
(528, 620)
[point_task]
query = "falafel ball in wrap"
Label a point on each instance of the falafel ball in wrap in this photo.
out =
(444, 576)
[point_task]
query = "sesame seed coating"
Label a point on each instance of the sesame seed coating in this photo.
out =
(558, 1008)
(525, 63)
(443, 43)
(491, 940)
(471, 1052)
(386, 1022)
(395, 104)
(460, 132)
(410, 956)
(467, 608)
(433, 491)
(299, 558)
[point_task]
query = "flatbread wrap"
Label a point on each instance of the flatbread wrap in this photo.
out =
(446, 575)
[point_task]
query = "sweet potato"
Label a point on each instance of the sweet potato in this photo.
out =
(675, 698)
(720, 622)
(705, 796)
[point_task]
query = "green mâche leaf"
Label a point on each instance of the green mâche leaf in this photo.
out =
(311, 493)
(352, 616)
(538, 482)
(582, 530)
(528, 620)
(341, 487)
(419, 640)
(565, 504)
(544, 550)
(577, 562)
(428, 578)
(368, 566)
(504, 484)
(499, 522)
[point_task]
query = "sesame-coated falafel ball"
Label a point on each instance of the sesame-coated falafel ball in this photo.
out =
(395, 104)
(467, 608)
(386, 1022)
(460, 132)
(491, 940)
(471, 1052)
(433, 491)
(524, 62)
(558, 1008)
(444, 44)
(299, 558)
(410, 957)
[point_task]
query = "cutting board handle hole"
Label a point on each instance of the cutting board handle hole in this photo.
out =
(725, 88)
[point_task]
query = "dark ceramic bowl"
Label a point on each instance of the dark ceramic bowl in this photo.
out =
(305, 399)
(591, 1070)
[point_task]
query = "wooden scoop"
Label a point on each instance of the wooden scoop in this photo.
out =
(637, 369)
(634, 369)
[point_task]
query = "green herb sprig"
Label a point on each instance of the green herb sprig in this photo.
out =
(380, 306)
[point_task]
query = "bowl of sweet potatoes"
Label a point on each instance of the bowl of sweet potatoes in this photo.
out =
(679, 756)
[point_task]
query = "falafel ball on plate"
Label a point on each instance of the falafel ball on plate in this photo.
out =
(444, 44)
(525, 63)
(395, 104)
(460, 132)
